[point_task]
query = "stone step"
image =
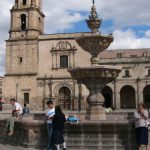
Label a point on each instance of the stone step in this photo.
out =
(93, 144)
(101, 148)
(100, 140)
(106, 142)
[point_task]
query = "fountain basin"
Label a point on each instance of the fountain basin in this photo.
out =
(105, 73)
(94, 43)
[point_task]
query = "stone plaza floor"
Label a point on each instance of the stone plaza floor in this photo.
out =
(10, 147)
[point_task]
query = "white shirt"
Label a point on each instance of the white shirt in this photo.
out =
(50, 113)
(18, 107)
(139, 121)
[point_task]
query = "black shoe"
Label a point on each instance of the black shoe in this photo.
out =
(53, 147)
(64, 148)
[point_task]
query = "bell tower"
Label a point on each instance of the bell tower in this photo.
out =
(27, 19)
(22, 55)
(27, 23)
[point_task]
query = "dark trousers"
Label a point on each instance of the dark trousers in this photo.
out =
(50, 131)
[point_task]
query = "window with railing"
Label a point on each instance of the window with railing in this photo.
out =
(126, 74)
(24, 2)
(64, 61)
(63, 55)
(26, 98)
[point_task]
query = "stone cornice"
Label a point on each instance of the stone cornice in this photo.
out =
(20, 74)
(135, 60)
(27, 9)
(22, 39)
(54, 78)
(61, 36)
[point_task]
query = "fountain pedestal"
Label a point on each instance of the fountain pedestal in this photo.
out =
(95, 79)
(95, 113)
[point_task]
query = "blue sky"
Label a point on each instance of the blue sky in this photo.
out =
(129, 21)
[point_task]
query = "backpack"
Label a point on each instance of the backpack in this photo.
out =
(72, 119)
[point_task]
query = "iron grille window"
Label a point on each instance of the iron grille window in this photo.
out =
(24, 2)
(127, 73)
(64, 61)
(26, 98)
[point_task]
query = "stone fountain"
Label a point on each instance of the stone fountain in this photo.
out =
(94, 77)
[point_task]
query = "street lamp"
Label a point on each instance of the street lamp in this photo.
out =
(44, 92)
(79, 96)
(50, 82)
(17, 90)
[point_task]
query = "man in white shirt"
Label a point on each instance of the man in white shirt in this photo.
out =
(16, 114)
(49, 117)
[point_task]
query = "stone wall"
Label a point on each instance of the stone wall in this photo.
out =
(117, 133)
(28, 133)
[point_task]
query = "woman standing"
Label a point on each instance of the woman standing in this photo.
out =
(58, 128)
(141, 116)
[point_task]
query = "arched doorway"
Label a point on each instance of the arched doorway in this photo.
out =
(107, 93)
(65, 98)
(127, 97)
(146, 96)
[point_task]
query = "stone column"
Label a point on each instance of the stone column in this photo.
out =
(95, 100)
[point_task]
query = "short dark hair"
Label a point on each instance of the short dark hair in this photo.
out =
(141, 104)
(13, 100)
(49, 102)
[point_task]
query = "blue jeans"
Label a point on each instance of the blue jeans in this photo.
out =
(50, 131)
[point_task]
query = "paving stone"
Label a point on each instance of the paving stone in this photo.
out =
(11, 147)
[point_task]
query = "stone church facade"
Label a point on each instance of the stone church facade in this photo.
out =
(1, 88)
(37, 63)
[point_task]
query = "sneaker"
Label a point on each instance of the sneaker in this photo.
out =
(10, 133)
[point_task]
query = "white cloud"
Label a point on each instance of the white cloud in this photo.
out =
(147, 34)
(128, 39)
(4, 28)
(122, 12)
(60, 24)
(125, 12)
(2, 57)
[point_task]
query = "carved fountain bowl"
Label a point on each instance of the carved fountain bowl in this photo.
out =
(94, 43)
(101, 73)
